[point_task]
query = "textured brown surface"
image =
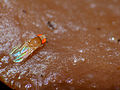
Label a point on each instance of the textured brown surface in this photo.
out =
(83, 50)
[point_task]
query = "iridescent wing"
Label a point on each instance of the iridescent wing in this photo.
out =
(19, 53)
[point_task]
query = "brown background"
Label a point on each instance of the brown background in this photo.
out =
(83, 49)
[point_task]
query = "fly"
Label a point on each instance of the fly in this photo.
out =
(21, 52)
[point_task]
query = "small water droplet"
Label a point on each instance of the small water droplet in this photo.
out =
(12, 82)
(28, 86)
(56, 88)
(81, 81)
(0, 63)
(83, 59)
(19, 77)
(112, 38)
(69, 80)
(18, 84)
(75, 59)
(108, 49)
(93, 85)
(5, 59)
(81, 51)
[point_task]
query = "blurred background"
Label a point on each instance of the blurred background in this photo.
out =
(83, 49)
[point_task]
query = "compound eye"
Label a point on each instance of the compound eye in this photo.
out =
(39, 35)
(44, 40)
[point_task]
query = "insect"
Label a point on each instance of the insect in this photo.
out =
(21, 52)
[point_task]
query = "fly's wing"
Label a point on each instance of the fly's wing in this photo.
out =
(20, 53)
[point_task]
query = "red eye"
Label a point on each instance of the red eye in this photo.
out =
(39, 35)
(44, 40)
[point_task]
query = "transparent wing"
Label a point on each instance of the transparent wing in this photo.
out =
(19, 53)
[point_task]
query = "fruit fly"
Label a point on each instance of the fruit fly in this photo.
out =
(21, 52)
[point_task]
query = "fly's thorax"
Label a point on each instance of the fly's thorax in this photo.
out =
(35, 42)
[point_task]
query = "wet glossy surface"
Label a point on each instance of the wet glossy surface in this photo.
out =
(83, 49)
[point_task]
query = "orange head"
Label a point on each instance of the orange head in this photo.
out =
(43, 38)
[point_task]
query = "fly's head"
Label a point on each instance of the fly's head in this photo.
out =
(43, 38)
